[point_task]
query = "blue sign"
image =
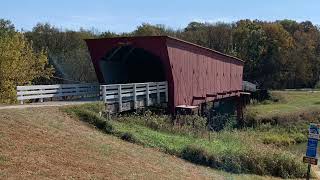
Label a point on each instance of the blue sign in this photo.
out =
(313, 129)
(312, 148)
(313, 141)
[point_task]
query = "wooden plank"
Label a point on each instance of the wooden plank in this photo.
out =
(140, 103)
(120, 98)
(211, 95)
(134, 96)
(104, 94)
(147, 95)
(158, 94)
(37, 87)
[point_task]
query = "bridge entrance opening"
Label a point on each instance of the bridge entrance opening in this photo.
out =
(127, 64)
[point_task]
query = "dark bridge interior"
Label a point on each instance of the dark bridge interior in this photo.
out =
(126, 64)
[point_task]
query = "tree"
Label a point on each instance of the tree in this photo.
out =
(147, 29)
(19, 63)
(249, 44)
(67, 52)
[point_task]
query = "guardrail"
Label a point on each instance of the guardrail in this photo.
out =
(123, 97)
(248, 86)
(59, 90)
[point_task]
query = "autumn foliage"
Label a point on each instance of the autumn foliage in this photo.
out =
(19, 64)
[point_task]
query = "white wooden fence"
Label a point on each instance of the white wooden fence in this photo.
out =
(133, 96)
(59, 90)
(118, 97)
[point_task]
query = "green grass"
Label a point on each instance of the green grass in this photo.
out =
(237, 151)
(289, 102)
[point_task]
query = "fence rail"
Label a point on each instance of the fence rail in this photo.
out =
(59, 90)
(122, 97)
(118, 97)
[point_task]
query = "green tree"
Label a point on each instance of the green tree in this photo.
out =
(147, 29)
(19, 63)
(249, 40)
(67, 52)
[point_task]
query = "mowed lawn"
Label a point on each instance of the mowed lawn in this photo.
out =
(46, 143)
(289, 102)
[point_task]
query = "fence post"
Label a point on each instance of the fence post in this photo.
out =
(134, 96)
(21, 101)
(104, 94)
(41, 99)
(147, 95)
(60, 94)
(166, 92)
(158, 94)
(120, 97)
(77, 89)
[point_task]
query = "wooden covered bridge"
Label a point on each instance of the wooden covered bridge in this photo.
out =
(188, 74)
(144, 71)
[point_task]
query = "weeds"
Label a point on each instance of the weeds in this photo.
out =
(232, 150)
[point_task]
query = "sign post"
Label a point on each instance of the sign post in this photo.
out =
(311, 156)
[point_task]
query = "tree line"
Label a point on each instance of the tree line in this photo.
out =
(279, 54)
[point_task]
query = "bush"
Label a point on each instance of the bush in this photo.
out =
(218, 122)
(261, 162)
(129, 137)
(195, 154)
(278, 97)
(191, 123)
(278, 140)
(251, 118)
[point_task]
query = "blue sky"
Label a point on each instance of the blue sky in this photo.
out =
(125, 15)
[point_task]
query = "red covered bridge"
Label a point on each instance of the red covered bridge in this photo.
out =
(195, 74)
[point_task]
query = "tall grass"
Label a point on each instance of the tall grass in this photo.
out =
(233, 151)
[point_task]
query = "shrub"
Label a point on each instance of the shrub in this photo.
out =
(195, 154)
(191, 123)
(261, 162)
(218, 122)
(278, 140)
(129, 137)
(278, 97)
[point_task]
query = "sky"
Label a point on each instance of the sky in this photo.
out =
(125, 15)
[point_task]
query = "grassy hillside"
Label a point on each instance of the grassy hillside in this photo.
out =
(46, 143)
(232, 150)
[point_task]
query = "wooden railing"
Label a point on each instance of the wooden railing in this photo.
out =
(59, 90)
(123, 97)
(248, 86)
(117, 97)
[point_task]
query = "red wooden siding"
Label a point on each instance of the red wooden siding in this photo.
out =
(192, 71)
(198, 72)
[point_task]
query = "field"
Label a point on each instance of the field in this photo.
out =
(46, 143)
(287, 102)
